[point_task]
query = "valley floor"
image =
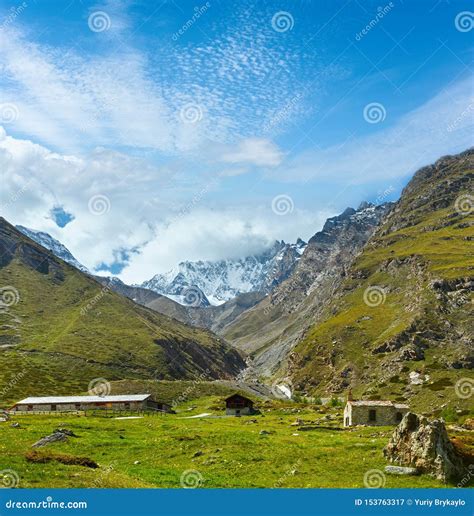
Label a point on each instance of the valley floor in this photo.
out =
(173, 450)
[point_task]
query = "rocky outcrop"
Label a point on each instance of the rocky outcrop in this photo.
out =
(424, 445)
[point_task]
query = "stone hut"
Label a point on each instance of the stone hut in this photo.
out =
(373, 413)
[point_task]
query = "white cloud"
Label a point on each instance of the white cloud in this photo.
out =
(157, 224)
(205, 234)
(255, 151)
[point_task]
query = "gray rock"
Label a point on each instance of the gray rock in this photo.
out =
(425, 445)
(400, 470)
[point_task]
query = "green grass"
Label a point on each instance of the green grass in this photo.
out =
(234, 453)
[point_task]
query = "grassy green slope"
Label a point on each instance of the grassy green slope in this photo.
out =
(421, 264)
(67, 330)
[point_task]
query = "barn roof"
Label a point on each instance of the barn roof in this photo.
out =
(83, 399)
(377, 403)
(237, 395)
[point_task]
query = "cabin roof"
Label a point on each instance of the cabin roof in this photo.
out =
(237, 395)
(83, 399)
(377, 403)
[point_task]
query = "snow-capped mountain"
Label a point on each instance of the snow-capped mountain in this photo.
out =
(53, 245)
(223, 280)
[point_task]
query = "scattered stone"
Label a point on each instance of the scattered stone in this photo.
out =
(298, 422)
(264, 432)
(425, 445)
(400, 470)
(198, 453)
(136, 462)
(56, 436)
(15, 425)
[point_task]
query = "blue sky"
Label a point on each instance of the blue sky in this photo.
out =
(141, 134)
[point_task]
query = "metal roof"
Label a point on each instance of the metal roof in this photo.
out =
(377, 403)
(83, 399)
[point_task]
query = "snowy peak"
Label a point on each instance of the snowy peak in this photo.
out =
(222, 280)
(53, 245)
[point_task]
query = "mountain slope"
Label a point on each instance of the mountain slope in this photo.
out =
(400, 325)
(60, 329)
(53, 245)
(271, 328)
(215, 318)
(223, 280)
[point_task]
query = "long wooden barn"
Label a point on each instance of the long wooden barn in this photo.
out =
(121, 402)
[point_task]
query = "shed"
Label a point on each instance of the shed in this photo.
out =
(238, 405)
(128, 402)
(374, 412)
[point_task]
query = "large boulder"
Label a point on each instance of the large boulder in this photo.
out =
(425, 445)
